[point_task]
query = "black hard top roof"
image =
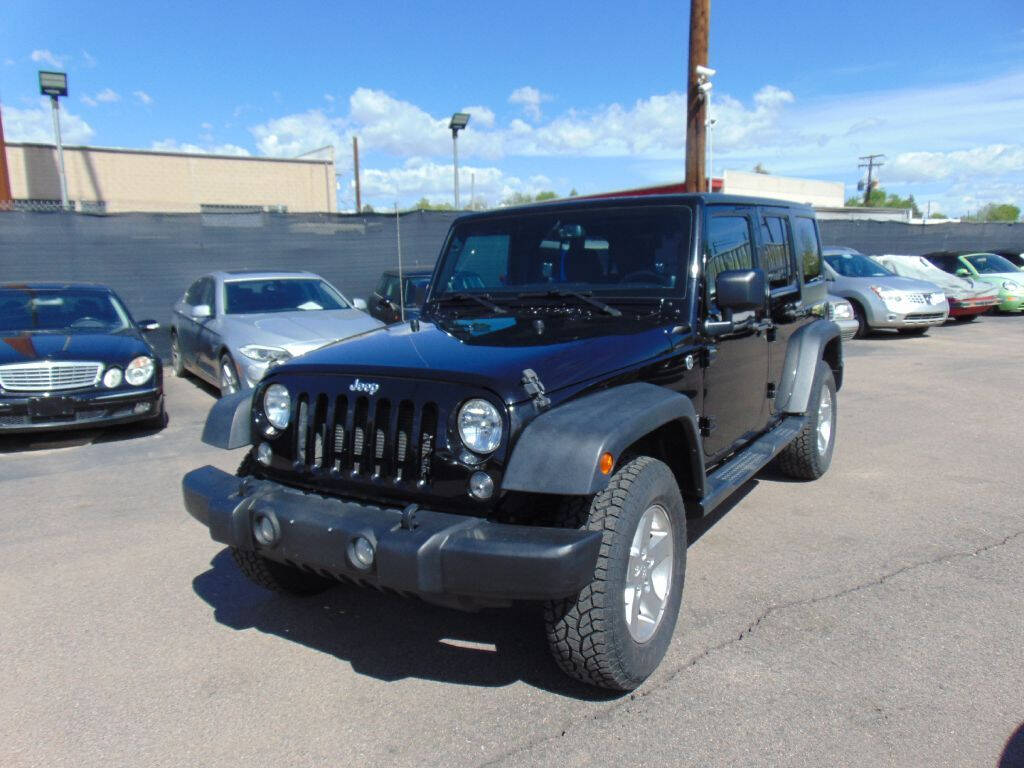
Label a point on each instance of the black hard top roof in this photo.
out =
(698, 199)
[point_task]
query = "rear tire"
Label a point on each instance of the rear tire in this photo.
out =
(809, 456)
(277, 577)
(615, 632)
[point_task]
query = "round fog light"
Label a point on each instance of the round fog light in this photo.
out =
(265, 529)
(481, 486)
(264, 454)
(362, 552)
(112, 378)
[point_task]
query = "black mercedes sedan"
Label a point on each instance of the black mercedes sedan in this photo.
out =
(72, 356)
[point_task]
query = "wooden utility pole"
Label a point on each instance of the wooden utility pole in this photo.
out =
(696, 103)
(871, 164)
(355, 162)
(6, 203)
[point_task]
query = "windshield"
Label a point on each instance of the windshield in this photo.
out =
(66, 311)
(258, 297)
(855, 265)
(990, 263)
(607, 251)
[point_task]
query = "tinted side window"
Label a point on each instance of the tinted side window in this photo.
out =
(390, 291)
(193, 293)
(808, 249)
(728, 247)
(778, 261)
(382, 285)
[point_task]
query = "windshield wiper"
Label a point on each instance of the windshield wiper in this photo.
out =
(562, 294)
(484, 299)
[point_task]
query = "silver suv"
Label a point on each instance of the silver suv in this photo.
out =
(882, 299)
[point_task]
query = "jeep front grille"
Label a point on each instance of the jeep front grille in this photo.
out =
(360, 438)
(49, 376)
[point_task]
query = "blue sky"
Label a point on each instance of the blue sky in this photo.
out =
(563, 95)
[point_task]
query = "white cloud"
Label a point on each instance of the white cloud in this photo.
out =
(88, 59)
(328, 98)
(991, 160)
(171, 145)
(36, 124)
(417, 179)
(108, 95)
(479, 115)
(43, 56)
(8, 62)
(530, 98)
(143, 97)
(294, 134)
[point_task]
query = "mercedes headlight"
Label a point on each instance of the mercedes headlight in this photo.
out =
(1009, 285)
(139, 370)
(277, 405)
(479, 426)
(262, 354)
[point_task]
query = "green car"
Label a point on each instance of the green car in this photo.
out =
(988, 268)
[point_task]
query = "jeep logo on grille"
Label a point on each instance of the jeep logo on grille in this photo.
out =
(369, 387)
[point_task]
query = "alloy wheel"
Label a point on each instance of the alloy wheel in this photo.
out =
(649, 573)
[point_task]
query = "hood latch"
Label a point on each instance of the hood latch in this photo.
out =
(534, 387)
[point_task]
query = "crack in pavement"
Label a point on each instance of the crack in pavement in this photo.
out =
(772, 609)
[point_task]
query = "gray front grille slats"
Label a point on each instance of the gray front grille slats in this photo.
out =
(359, 438)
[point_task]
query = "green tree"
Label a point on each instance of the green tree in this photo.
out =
(546, 195)
(759, 168)
(880, 199)
(938, 215)
(573, 192)
(997, 212)
(425, 205)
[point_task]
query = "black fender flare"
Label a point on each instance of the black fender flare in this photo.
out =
(806, 348)
(559, 452)
(229, 423)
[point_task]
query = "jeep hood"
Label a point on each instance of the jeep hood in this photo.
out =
(491, 352)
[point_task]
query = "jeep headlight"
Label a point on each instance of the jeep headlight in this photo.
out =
(479, 426)
(277, 405)
(842, 310)
(139, 370)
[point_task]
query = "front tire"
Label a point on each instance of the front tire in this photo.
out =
(965, 318)
(809, 456)
(615, 632)
(177, 361)
(917, 331)
(277, 577)
(228, 376)
(863, 329)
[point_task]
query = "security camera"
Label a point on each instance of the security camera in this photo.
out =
(703, 71)
(705, 87)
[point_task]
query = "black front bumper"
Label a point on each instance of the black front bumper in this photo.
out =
(453, 559)
(19, 414)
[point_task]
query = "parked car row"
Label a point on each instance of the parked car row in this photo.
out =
(914, 293)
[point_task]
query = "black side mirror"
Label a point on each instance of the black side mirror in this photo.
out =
(148, 325)
(739, 289)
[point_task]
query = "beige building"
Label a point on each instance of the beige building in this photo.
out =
(820, 194)
(119, 180)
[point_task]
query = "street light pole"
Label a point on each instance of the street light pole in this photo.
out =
(459, 121)
(55, 85)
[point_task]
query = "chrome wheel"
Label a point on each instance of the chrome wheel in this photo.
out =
(228, 377)
(824, 420)
(649, 573)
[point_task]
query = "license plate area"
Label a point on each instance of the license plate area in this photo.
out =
(51, 407)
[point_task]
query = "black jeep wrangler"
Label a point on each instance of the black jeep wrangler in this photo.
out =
(584, 377)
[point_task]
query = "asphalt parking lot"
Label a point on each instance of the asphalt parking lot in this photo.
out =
(875, 617)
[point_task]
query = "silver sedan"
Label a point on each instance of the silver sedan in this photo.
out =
(230, 327)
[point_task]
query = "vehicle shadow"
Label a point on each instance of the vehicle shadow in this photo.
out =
(76, 438)
(392, 638)
(1013, 751)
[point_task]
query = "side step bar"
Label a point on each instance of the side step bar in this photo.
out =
(744, 465)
